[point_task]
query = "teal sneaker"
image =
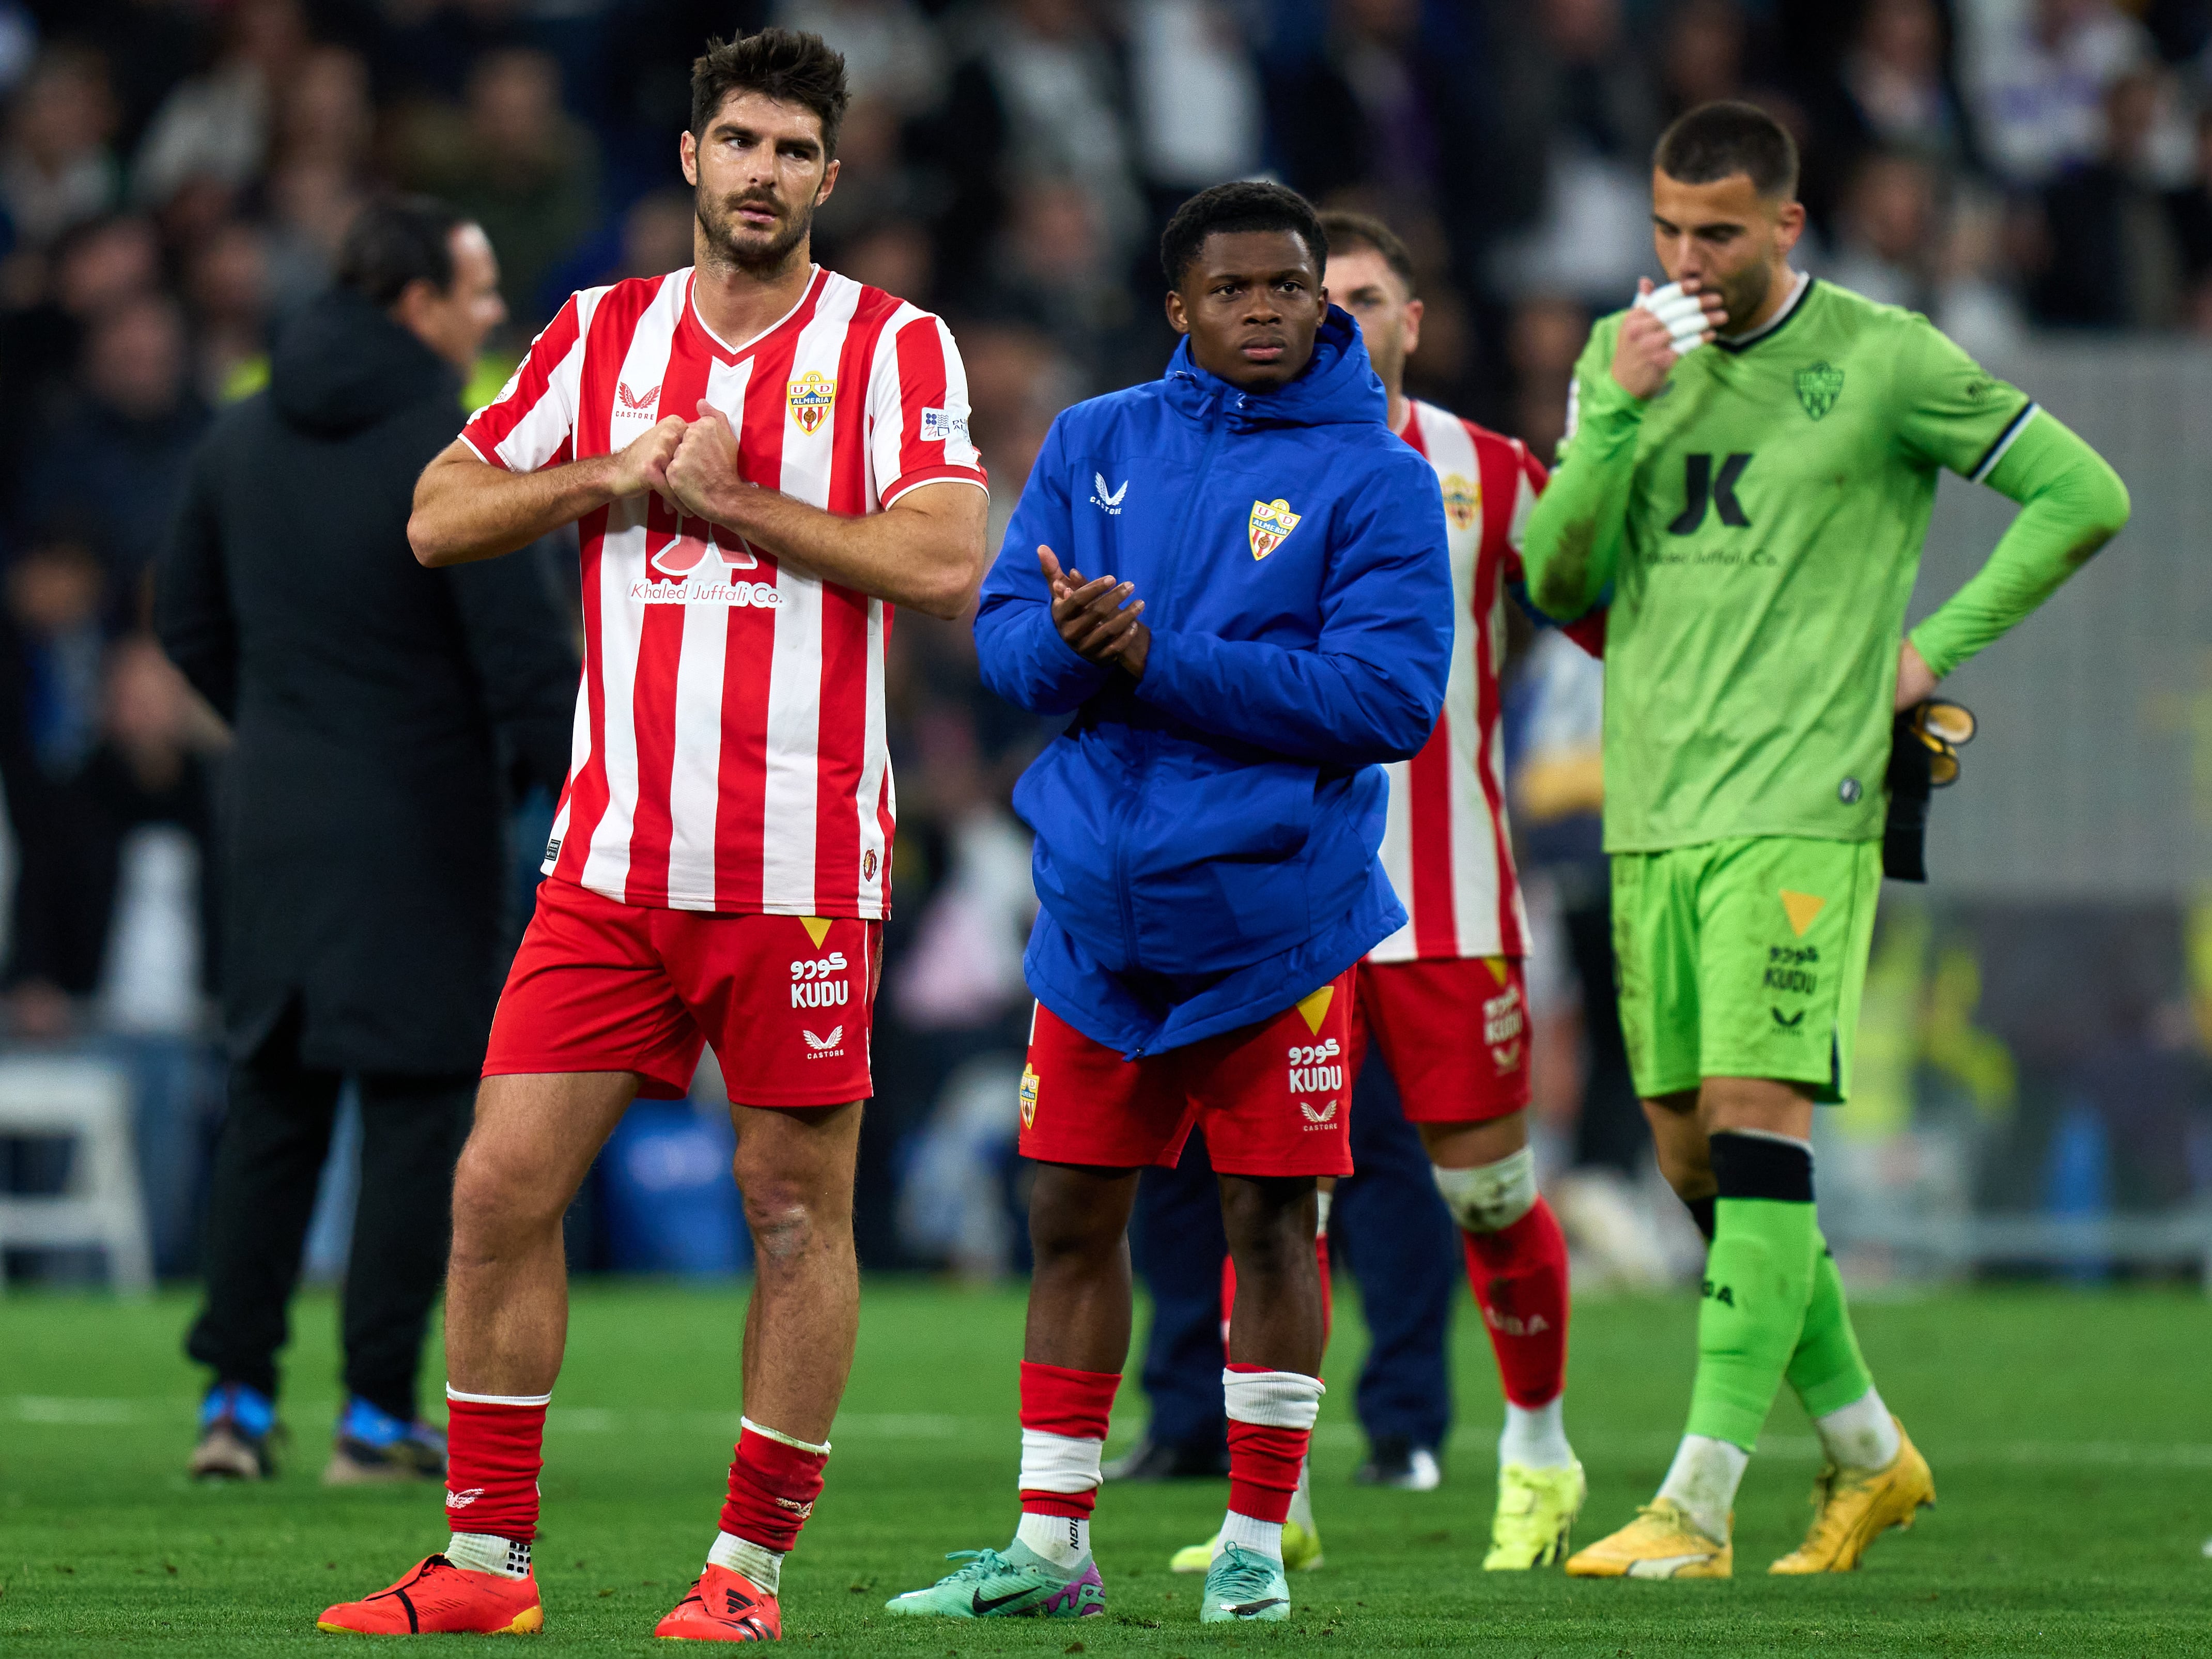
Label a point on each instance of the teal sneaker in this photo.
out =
(1244, 1584)
(1019, 1583)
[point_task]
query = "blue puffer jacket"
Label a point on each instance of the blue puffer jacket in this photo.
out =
(1206, 835)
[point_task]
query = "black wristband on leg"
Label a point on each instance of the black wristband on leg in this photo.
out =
(1701, 1212)
(1759, 1166)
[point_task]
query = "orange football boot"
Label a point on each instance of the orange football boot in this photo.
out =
(436, 1598)
(723, 1607)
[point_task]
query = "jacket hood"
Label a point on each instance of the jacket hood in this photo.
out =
(1337, 387)
(343, 365)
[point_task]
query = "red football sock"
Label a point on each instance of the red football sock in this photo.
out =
(1520, 1281)
(1228, 1293)
(493, 1454)
(773, 1486)
(1264, 1461)
(1064, 1417)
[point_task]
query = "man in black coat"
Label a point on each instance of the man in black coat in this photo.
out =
(381, 710)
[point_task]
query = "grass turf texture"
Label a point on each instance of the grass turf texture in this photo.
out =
(2058, 1423)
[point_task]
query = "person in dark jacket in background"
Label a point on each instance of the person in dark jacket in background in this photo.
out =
(381, 712)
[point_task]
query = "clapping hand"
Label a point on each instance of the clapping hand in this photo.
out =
(1096, 616)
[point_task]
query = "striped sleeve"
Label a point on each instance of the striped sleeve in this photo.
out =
(918, 408)
(532, 424)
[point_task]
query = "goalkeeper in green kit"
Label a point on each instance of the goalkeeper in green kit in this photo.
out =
(1747, 477)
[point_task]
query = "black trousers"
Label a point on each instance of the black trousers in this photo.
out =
(268, 1161)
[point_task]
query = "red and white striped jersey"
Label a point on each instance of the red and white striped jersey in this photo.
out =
(1445, 845)
(729, 750)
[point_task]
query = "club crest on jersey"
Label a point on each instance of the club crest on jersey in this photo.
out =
(811, 397)
(868, 865)
(1462, 499)
(1271, 525)
(1819, 386)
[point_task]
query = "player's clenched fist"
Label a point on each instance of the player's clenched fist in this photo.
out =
(1659, 328)
(642, 464)
(1095, 617)
(705, 464)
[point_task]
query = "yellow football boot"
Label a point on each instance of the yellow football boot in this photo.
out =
(1851, 1508)
(1536, 1510)
(1301, 1551)
(1662, 1542)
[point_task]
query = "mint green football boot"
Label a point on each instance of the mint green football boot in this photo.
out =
(1244, 1584)
(1016, 1582)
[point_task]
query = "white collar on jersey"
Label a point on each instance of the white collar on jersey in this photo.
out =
(691, 304)
(1737, 342)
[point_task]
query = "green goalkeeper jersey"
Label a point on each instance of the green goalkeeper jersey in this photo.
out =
(1760, 523)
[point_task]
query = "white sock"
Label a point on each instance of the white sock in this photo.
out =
(763, 1566)
(1861, 1435)
(1302, 1500)
(1260, 1537)
(485, 1551)
(1703, 1480)
(1062, 1539)
(1535, 1437)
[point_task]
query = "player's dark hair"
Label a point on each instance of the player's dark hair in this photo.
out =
(1226, 210)
(395, 240)
(1717, 141)
(784, 64)
(1348, 232)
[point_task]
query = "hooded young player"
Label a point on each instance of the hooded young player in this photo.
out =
(1751, 472)
(1270, 618)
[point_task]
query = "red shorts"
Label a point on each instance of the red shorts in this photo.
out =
(599, 986)
(1454, 1033)
(1273, 1097)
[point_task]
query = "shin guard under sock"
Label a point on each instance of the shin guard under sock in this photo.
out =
(774, 1481)
(1827, 1371)
(1519, 1276)
(1065, 1414)
(1759, 1280)
(1271, 1419)
(493, 1450)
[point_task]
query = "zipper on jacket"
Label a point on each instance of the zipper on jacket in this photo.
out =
(1217, 427)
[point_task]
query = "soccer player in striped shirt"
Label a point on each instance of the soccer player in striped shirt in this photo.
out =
(762, 457)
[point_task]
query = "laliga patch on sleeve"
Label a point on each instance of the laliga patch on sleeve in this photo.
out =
(938, 426)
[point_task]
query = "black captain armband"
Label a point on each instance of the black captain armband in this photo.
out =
(1924, 756)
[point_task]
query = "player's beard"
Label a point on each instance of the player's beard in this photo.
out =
(1744, 293)
(757, 258)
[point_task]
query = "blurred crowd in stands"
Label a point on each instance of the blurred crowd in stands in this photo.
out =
(175, 175)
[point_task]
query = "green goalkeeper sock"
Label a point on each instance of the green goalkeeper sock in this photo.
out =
(1759, 1280)
(1827, 1372)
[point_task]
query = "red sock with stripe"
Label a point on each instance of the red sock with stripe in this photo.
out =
(1065, 1414)
(493, 1450)
(774, 1478)
(1271, 1419)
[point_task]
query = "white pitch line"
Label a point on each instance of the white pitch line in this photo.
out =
(61, 1411)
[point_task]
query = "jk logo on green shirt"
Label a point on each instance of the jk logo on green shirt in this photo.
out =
(1818, 388)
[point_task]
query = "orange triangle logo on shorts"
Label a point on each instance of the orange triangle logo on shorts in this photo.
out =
(1803, 907)
(1315, 1009)
(1498, 973)
(818, 929)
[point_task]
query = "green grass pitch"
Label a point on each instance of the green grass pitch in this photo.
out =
(2067, 1433)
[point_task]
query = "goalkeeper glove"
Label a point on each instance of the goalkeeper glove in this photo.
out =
(1924, 756)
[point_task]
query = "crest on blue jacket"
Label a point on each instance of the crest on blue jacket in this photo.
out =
(1271, 526)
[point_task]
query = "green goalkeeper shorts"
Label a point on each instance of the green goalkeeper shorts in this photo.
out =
(1744, 959)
